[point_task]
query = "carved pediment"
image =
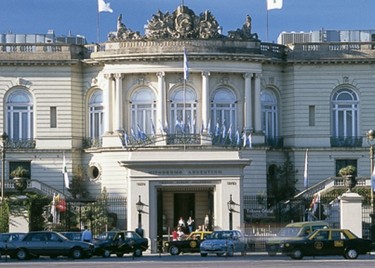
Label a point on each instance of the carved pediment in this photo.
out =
(183, 23)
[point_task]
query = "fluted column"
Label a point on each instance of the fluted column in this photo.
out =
(119, 115)
(205, 101)
(107, 100)
(161, 103)
(257, 103)
(248, 115)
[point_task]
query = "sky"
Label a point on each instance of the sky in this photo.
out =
(81, 17)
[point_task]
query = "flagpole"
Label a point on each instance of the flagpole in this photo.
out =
(97, 27)
(267, 26)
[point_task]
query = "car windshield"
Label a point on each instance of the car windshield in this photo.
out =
(221, 235)
(288, 231)
(106, 236)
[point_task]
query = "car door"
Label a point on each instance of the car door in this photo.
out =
(318, 244)
(35, 244)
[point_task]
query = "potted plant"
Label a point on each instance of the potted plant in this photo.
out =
(348, 173)
(20, 176)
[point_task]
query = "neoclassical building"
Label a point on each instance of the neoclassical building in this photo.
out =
(184, 117)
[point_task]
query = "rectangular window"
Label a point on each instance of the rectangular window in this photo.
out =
(311, 115)
(53, 117)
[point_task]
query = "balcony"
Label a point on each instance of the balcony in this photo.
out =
(341, 141)
(18, 144)
(274, 141)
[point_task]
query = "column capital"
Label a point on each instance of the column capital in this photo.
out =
(160, 74)
(108, 76)
(247, 75)
(206, 74)
(118, 76)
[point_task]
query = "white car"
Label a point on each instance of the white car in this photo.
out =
(224, 242)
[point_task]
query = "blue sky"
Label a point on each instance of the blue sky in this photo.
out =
(81, 17)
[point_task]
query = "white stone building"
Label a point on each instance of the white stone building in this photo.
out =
(124, 111)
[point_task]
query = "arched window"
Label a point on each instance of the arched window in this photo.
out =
(143, 110)
(345, 114)
(20, 116)
(183, 109)
(96, 124)
(269, 113)
(223, 110)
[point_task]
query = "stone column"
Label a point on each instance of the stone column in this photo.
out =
(351, 212)
(205, 101)
(107, 101)
(257, 104)
(161, 103)
(248, 115)
(119, 127)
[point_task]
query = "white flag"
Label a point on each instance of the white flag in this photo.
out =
(186, 66)
(274, 4)
(65, 173)
(305, 175)
(104, 7)
(373, 180)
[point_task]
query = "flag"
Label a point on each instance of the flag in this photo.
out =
(274, 4)
(153, 131)
(238, 140)
(250, 137)
(186, 66)
(230, 132)
(373, 179)
(305, 175)
(126, 140)
(244, 139)
(104, 7)
(224, 130)
(65, 172)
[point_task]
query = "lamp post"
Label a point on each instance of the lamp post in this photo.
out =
(4, 138)
(231, 204)
(371, 142)
(139, 206)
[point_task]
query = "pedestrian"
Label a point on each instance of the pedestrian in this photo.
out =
(190, 224)
(86, 234)
(206, 222)
(174, 235)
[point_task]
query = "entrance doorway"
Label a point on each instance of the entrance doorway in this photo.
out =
(184, 206)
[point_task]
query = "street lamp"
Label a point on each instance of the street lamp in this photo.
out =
(4, 138)
(231, 204)
(140, 206)
(371, 142)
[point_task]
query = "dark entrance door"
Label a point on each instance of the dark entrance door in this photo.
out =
(184, 206)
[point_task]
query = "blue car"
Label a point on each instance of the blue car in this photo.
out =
(224, 243)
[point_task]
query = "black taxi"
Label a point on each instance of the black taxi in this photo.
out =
(325, 242)
(190, 244)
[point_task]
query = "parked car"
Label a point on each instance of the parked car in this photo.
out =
(293, 231)
(119, 243)
(47, 243)
(326, 242)
(190, 244)
(224, 242)
(6, 238)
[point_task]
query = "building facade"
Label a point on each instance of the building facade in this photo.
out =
(185, 138)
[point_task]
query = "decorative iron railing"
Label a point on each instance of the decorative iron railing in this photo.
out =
(24, 143)
(341, 141)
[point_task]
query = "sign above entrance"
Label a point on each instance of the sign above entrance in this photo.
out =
(180, 172)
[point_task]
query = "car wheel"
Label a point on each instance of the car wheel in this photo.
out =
(204, 254)
(76, 253)
(230, 252)
(106, 253)
(119, 255)
(22, 254)
(137, 252)
(173, 250)
(297, 254)
(351, 254)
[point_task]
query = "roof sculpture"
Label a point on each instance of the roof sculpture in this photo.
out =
(183, 23)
